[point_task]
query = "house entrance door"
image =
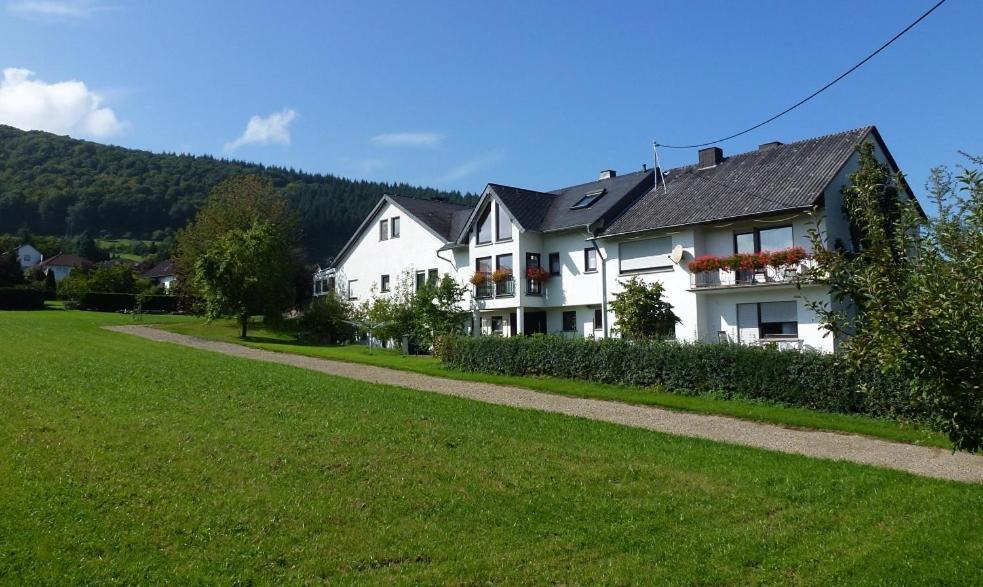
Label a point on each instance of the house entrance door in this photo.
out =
(535, 323)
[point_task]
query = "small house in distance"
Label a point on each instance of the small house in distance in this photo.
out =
(63, 264)
(162, 273)
(28, 256)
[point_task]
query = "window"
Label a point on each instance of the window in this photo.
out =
(503, 225)
(432, 277)
(497, 325)
(421, 279)
(504, 262)
(590, 260)
(554, 263)
(533, 286)
(483, 229)
(570, 321)
(588, 200)
(767, 320)
(645, 255)
(318, 287)
(775, 239)
(778, 320)
(353, 289)
(744, 242)
(764, 239)
(383, 230)
(384, 283)
(483, 265)
(395, 226)
(598, 319)
(331, 283)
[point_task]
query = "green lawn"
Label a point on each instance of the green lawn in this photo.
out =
(122, 247)
(124, 460)
(129, 461)
(751, 410)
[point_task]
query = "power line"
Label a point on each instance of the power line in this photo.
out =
(817, 92)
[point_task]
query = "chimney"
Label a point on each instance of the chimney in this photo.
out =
(771, 145)
(711, 156)
(608, 174)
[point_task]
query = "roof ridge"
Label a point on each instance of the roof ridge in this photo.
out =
(442, 202)
(865, 129)
(571, 187)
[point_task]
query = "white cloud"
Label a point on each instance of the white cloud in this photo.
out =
(274, 128)
(67, 107)
(471, 166)
(408, 139)
(53, 9)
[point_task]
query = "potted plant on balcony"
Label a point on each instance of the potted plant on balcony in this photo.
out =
(705, 263)
(537, 274)
(786, 262)
(479, 278)
(501, 275)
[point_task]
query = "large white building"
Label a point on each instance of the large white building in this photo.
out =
(587, 239)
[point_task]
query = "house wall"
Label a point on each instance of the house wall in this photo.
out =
(60, 271)
(674, 279)
(28, 256)
(369, 259)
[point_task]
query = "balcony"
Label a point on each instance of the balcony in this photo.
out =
(738, 278)
(488, 289)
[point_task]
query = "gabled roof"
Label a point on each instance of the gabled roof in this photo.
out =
(778, 178)
(443, 219)
(66, 260)
(163, 269)
(551, 211)
(436, 214)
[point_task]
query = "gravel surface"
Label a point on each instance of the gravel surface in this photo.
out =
(929, 462)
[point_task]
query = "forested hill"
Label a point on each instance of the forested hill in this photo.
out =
(58, 185)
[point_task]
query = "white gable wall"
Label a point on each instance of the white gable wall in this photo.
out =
(369, 258)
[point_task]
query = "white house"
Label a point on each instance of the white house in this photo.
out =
(583, 241)
(63, 264)
(163, 273)
(28, 256)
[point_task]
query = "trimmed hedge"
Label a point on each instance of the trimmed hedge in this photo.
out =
(809, 379)
(21, 298)
(123, 302)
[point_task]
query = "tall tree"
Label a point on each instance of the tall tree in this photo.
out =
(908, 294)
(246, 271)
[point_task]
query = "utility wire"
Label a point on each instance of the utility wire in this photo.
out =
(817, 92)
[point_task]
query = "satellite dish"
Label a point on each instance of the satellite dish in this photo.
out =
(677, 254)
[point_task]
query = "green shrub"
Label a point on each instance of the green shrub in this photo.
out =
(325, 321)
(809, 379)
(21, 298)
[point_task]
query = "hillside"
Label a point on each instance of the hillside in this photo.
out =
(59, 185)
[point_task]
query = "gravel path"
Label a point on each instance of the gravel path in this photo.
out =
(929, 462)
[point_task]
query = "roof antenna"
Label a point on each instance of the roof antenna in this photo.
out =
(658, 170)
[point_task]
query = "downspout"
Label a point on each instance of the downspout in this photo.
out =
(604, 279)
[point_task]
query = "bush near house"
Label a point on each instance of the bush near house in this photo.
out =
(809, 379)
(21, 298)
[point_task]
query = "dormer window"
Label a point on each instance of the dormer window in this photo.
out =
(588, 200)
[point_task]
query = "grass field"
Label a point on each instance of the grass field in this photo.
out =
(750, 410)
(122, 247)
(128, 461)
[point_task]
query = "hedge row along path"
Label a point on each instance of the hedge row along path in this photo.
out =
(919, 460)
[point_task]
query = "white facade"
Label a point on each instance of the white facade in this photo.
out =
(374, 265)
(586, 273)
(28, 256)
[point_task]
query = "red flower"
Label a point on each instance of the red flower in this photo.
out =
(705, 263)
(537, 274)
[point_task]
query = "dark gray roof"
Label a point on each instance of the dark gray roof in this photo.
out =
(546, 211)
(619, 191)
(163, 269)
(775, 179)
(438, 215)
(528, 207)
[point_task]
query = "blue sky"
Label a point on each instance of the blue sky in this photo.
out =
(458, 94)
